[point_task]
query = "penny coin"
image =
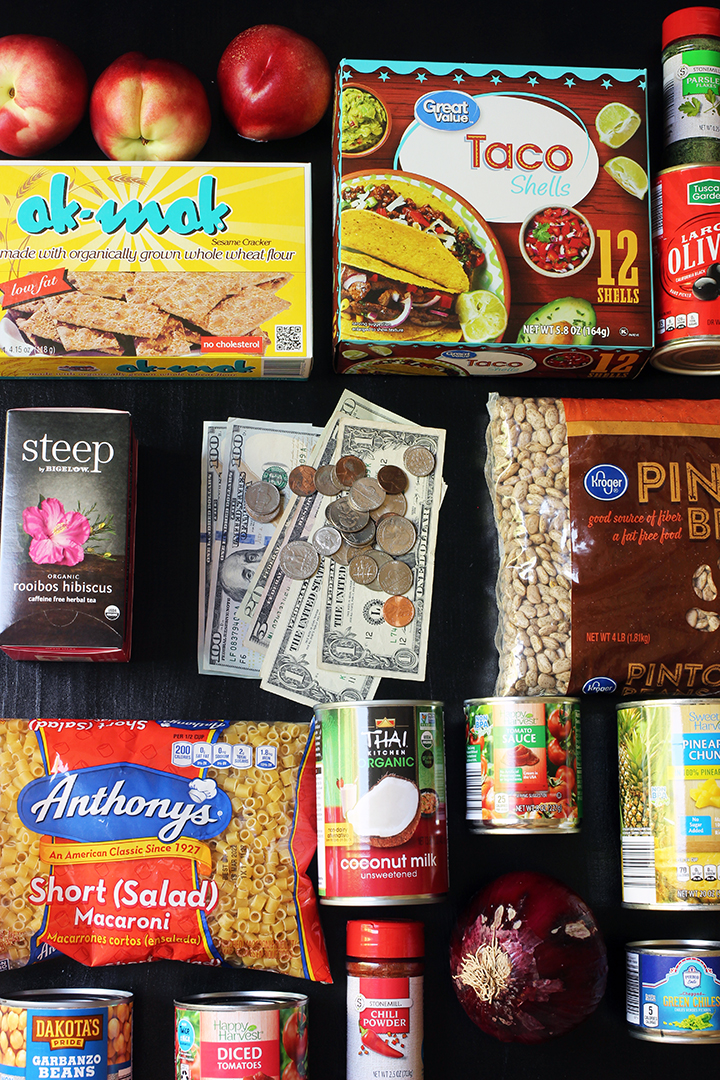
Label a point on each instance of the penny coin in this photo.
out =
(326, 540)
(301, 480)
(343, 515)
(379, 557)
(396, 534)
(263, 499)
(418, 460)
(395, 578)
(363, 569)
(393, 504)
(345, 553)
(349, 469)
(366, 494)
(299, 560)
(360, 537)
(398, 611)
(392, 479)
(324, 481)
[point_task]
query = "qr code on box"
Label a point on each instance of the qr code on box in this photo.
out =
(288, 338)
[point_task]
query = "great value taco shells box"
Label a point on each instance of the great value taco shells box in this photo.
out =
(167, 270)
(491, 220)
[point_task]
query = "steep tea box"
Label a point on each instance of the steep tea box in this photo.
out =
(68, 529)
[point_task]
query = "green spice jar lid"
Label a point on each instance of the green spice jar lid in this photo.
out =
(392, 938)
(690, 21)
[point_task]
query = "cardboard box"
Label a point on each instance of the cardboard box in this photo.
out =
(68, 534)
(534, 180)
(162, 270)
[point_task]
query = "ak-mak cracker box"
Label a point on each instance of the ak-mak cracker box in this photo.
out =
(491, 220)
(163, 270)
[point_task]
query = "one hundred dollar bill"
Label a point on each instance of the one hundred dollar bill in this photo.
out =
(251, 450)
(353, 635)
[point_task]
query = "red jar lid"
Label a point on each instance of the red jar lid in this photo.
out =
(690, 21)
(385, 940)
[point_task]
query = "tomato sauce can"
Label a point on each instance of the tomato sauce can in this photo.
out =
(673, 990)
(236, 1035)
(382, 823)
(686, 241)
(669, 771)
(523, 764)
(68, 1032)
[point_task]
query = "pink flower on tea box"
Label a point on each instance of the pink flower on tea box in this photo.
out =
(57, 535)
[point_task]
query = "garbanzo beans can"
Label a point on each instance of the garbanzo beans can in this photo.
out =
(241, 1034)
(66, 1032)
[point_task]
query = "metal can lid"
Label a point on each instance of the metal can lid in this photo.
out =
(689, 21)
(678, 947)
(244, 999)
(79, 997)
(390, 939)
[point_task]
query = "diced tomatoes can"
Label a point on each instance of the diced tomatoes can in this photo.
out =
(523, 764)
(66, 1032)
(673, 990)
(686, 242)
(382, 822)
(236, 1035)
(669, 771)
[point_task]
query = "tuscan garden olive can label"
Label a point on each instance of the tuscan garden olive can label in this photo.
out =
(673, 990)
(669, 764)
(686, 240)
(523, 764)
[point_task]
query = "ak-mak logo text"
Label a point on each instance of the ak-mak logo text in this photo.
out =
(124, 802)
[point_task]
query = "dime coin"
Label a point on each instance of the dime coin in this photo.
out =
(299, 560)
(366, 494)
(262, 498)
(324, 481)
(360, 537)
(395, 578)
(349, 469)
(345, 553)
(301, 480)
(380, 557)
(419, 460)
(343, 515)
(398, 611)
(393, 504)
(326, 540)
(392, 479)
(396, 534)
(363, 569)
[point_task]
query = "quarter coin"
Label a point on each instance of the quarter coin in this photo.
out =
(418, 460)
(326, 540)
(301, 480)
(363, 569)
(361, 537)
(366, 494)
(345, 553)
(343, 515)
(262, 499)
(396, 534)
(299, 560)
(398, 611)
(393, 504)
(324, 481)
(349, 469)
(380, 557)
(395, 578)
(392, 479)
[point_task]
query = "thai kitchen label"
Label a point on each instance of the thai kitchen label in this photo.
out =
(382, 828)
(161, 270)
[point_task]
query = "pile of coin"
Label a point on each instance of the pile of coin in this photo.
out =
(365, 526)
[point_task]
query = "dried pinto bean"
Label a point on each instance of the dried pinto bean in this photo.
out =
(527, 474)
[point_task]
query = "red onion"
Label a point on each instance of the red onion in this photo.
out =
(527, 958)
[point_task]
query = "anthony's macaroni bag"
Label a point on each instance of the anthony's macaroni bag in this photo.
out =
(133, 840)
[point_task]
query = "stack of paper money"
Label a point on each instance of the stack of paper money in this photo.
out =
(323, 637)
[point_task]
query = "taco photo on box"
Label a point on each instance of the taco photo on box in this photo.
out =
(409, 267)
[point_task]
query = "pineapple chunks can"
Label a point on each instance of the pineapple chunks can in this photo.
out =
(669, 770)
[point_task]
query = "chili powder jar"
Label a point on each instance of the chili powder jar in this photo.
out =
(384, 998)
(691, 86)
